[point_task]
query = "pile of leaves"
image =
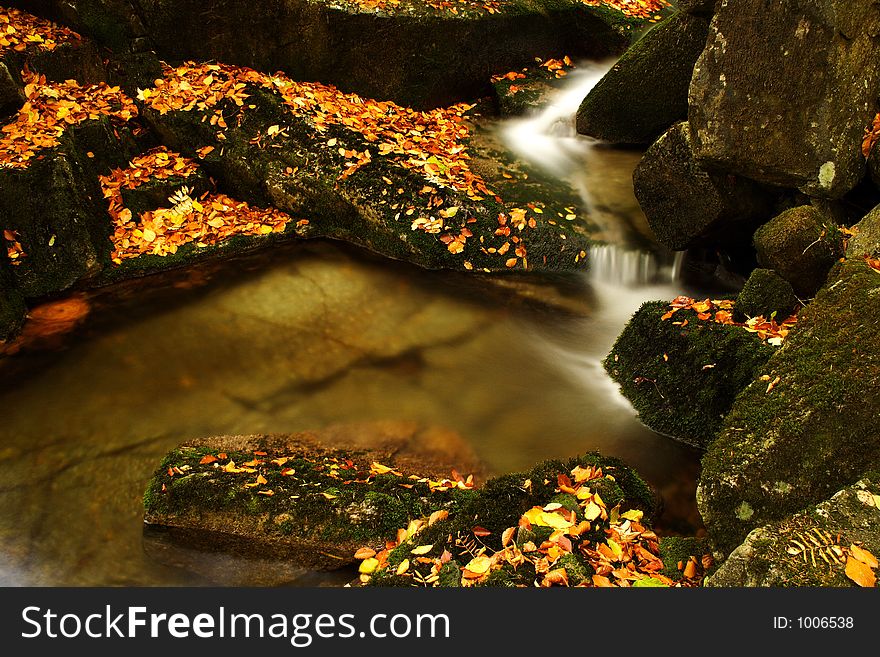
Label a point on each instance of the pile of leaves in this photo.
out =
(646, 9)
(575, 541)
(430, 142)
(205, 221)
(721, 312)
(550, 69)
(20, 31)
(457, 6)
(50, 109)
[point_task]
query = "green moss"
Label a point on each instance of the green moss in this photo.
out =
(676, 550)
(577, 569)
(681, 379)
(767, 294)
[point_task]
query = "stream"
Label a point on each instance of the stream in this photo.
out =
(318, 333)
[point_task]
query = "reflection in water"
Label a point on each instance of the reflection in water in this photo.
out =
(312, 335)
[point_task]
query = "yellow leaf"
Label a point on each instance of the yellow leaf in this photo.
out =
(633, 514)
(437, 516)
(403, 567)
(149, 235)
(422, 549)
(368, 566)
(479, 565)
(261, 479)
(378, 468)
(860, 573)
(864, 556)
(615, 547)
(592, 511)
(329, 496)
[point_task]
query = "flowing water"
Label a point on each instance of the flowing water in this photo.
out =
(315, 334)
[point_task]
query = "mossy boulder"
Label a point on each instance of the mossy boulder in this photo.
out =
(688, 205)
(682, 374)
(311, 498)
(815, 431)
(809, 548)
(699, 7)
(377, 206)
(12, 308)
(499, 505)
(647, 89)
(765, 294)
(410, 52)
(800, 245)
(676, 551)
(786, 99)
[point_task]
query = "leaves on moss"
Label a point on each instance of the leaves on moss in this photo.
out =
(720, 312)
(20, 31)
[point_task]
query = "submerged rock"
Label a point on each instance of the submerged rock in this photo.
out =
(800, 245)
(688, 205)
(816, 547)
(647, 89)
(815, 431)
(310, 498)
(682, 374)
(786, 99)
(765, 294)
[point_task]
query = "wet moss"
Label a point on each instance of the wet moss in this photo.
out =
(683, 379)
(767, 294)
(675, 550)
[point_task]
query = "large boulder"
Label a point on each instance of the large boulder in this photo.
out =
(815, 430)
(312, 498)
(786, 99)
(647, 90)
(687, 204)
(12, 308)
(682, 373)
(420, 54)
(831, 544)
(801, 245)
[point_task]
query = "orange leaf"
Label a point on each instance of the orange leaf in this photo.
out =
(860, 573)
(208, 458)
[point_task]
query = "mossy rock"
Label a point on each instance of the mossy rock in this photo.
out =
(801, 245)
(765, 294)
(365, 208)
(409, 52)
(313, 507)
(683, 379)
(12, 307)
(647, 89)
(500, 503)
(809, 548)
(815, 432)
(676, 551)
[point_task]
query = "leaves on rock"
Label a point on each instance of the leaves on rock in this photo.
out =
(720, 312)
(20, 31)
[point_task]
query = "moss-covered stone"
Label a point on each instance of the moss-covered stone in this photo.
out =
(500, 503)
(815, 432)
(12, 308)
(375, 207)
(688, 205)
(647, 90)
(316, 505)
(675, 551)
(766, 294)
(800, 245)
(682, 379)
(809, 548)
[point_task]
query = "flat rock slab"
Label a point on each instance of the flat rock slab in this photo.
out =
(786, 99)
(309, 498)
(817, 547)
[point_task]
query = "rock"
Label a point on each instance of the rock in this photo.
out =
(866, 241)
(815, 432)
(413, 54)
(321, 177)
(810, 548)
(11, 96)
(800, 245)
(311, 510)
(56, 207)
(785, 100)
(688, 205)
(499, 506)
(765, 294)
(678, 550)
(647, 90)
(683, 379)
